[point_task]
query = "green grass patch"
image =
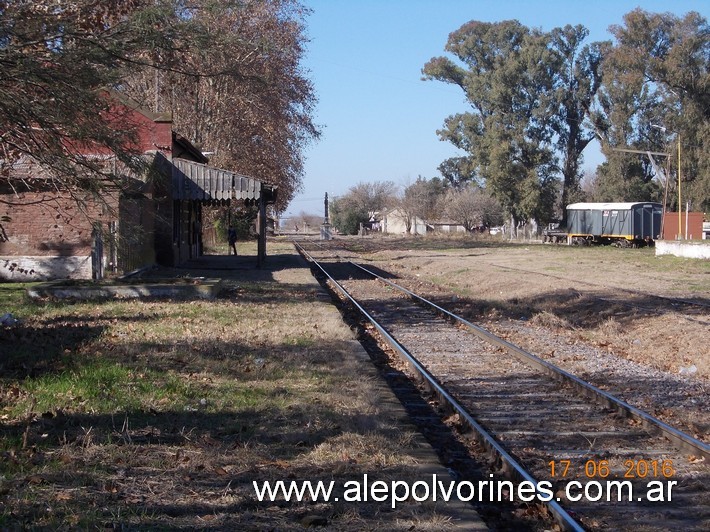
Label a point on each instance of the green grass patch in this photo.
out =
(159, 414)
(452, 284)
(14, 299)
(96, 387)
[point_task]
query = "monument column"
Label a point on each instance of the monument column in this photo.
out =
(325, 227)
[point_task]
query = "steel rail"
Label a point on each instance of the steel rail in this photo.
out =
(684, 441)
(511, 465)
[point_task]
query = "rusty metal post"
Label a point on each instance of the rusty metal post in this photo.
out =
(261, 228)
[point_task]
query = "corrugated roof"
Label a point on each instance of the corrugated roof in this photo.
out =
(196, 181)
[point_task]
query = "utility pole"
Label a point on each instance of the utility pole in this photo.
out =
(680, 204)
(658, 171)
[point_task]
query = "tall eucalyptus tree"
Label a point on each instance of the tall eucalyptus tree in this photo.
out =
(575, 120)
(658, 74)
(504, 70)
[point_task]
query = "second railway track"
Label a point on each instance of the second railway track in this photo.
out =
(552, 428)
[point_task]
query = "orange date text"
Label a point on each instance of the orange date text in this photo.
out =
(636, 468)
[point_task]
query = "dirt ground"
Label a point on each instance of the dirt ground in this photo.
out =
(165, 413)
(161, 414)
(613, 316)
(604, 295)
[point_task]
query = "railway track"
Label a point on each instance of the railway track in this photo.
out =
(578, 444)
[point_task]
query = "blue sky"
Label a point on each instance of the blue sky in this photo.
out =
(379, 120)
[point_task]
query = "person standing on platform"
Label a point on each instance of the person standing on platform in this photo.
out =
(232, 238)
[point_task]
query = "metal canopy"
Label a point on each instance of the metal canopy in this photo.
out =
(196, 181)
(192, 181)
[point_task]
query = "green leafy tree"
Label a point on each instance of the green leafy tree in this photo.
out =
(577, 78)
(658, 74)
(627, 105)
(460, 170)
(346, 217)
(360, 204)
(507, 134)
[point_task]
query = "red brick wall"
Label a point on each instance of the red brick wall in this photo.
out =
(695, 225)
(49, 223)
(152, 136)
(48, 235)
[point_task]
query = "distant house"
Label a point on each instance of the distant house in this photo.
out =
(45, 233)
(394, 222)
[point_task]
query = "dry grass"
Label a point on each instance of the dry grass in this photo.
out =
(577, 290)
(549, 320)
(588, 309)
(161, 414)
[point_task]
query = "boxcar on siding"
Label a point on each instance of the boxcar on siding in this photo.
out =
(623, 224)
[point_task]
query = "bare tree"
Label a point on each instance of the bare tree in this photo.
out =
(237, 89)
(305, 220)
(422, 199)
(56, 57)
(360, 204)
(473, 207)
(372, 198)
(229, 72)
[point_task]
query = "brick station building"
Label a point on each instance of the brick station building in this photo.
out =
(51, 233)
